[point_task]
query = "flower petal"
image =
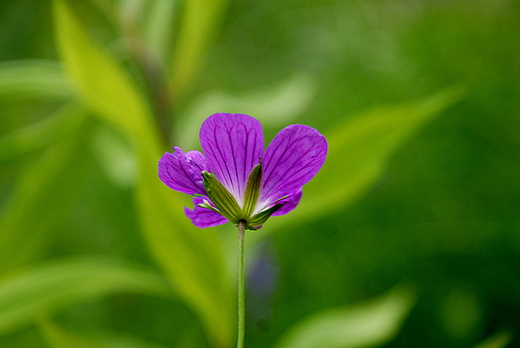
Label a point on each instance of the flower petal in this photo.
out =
(183, 171)
(203, 217)
(197, 158)
(289, 203)
(294, 156)
(233, 145)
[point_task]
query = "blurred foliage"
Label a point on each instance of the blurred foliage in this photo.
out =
(408, 237)
(368, 325)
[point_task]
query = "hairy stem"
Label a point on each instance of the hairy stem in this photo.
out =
(241, 285)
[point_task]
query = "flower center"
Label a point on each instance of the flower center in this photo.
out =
(226, 205)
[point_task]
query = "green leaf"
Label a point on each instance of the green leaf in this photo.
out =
(199, 22)
(58, 337)
(274, 105)
(34, 212)
(33, 78)
(50, 287)
(101, 82)
(39, 134)
(501, 339)
(359, 151)
(193, 257)
(159, 25)
(116, 157)
(365, 325)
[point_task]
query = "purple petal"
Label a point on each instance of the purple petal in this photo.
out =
(203, 217)
(182, 171)
(294, 156)
(290, 203)
(197, 158)
(233, 145)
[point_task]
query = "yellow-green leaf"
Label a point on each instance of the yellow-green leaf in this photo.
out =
(159, 25)
(39, 134)
(366, 325)
(501, 339)
(199, 22)
(40, 78)
(53, 286)
(192, 257)
(100, 80)
(58, 337)
(43, 195)
(360, 149)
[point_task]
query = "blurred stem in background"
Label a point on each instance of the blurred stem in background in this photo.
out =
(169, 75)
(150, 62)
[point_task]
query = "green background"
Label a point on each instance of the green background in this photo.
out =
(408, 237)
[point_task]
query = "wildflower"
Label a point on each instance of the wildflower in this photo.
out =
(236, 180)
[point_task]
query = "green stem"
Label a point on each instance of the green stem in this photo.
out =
(241, 285)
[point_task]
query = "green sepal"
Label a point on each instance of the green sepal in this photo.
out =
(208, 206)
(259, 219)
(252, 191)
(222, 199)
(226, 205)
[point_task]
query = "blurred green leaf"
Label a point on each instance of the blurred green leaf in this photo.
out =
(499, 340)
(101, 82)
(127, 342)
(461, 311)
(151, 24)
(39, 134)
(192, 257)
(53, 286)
(274, 105)
(159, 25)
(42, 196)
(360, 149)
(365, 325)
(199, 22)
(116, 157)
(58, 337)
(29, 78)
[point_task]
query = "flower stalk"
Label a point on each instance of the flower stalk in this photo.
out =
(241, 285)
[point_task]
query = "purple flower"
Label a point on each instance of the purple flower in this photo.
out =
(237, 180)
